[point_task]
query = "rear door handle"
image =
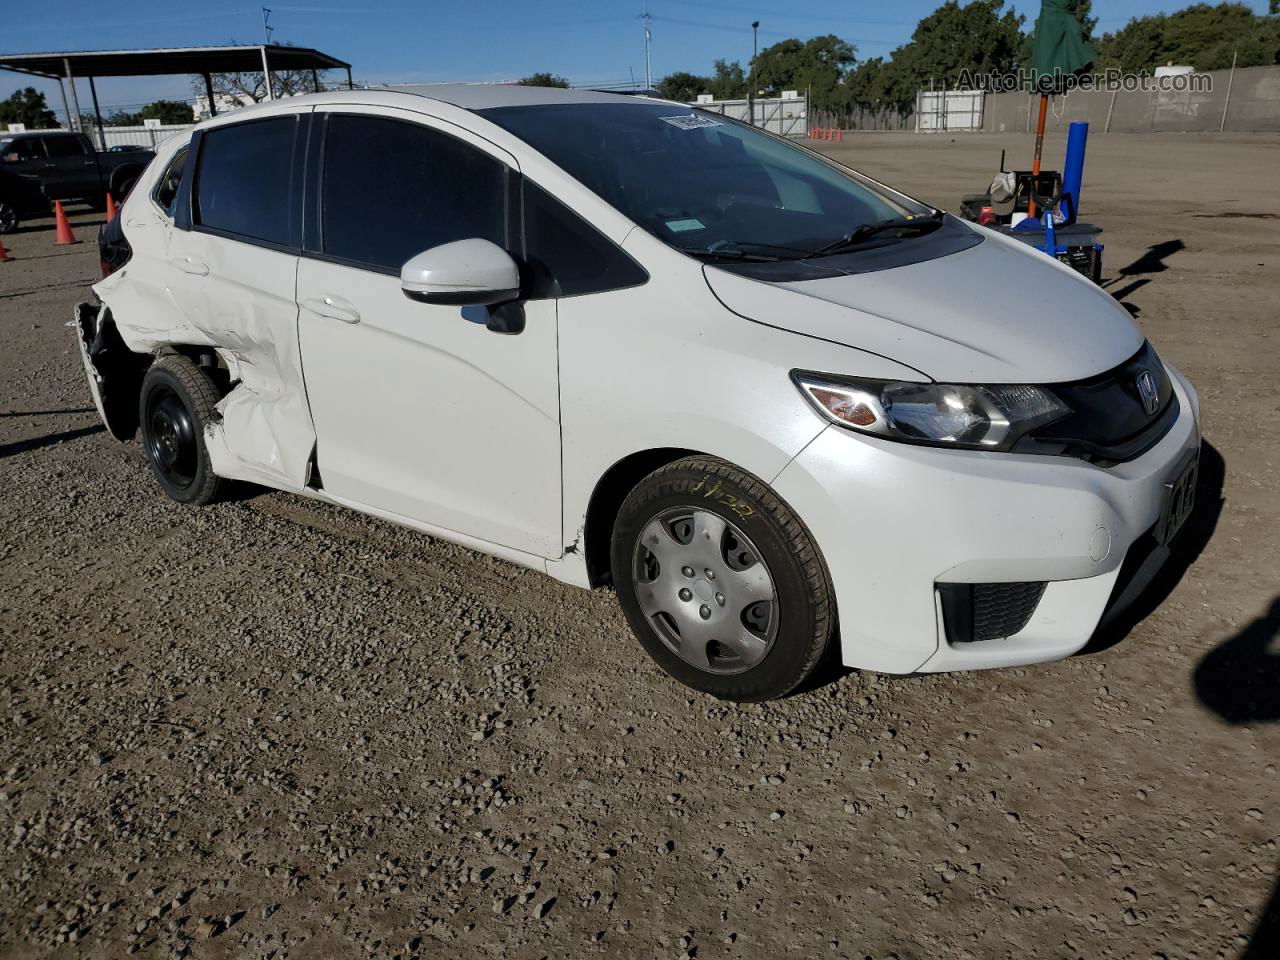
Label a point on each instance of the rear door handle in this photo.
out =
(192, 265)
(334, 307)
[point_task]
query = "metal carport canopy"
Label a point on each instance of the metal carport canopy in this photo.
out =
(173, 60)
(201, 61)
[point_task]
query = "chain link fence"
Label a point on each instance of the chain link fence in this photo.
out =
(1246, 100)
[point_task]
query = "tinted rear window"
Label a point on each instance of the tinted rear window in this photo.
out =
(244, 182)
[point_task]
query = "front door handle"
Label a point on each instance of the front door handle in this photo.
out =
(192, 265)
(333, 307)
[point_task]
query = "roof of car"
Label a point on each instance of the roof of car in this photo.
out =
(484, 96)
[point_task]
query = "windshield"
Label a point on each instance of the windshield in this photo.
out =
(703, 183)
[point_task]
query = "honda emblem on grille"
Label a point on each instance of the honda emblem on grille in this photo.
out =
(1149, 391)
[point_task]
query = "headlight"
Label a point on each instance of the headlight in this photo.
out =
(953, 415)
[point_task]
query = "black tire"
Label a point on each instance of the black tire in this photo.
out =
(176, 404)
(804, 606)
(1095, 273)
(121, 191)
(8, 217)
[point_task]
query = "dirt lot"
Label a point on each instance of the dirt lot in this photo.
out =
(270, 728)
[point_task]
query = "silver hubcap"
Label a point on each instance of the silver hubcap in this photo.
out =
(705, 590)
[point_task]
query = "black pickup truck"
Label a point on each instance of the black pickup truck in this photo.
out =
(21, 198)
(69, 168)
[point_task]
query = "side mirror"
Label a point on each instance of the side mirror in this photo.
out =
(463, 273)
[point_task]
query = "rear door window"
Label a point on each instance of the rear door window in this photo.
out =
(244, 182)
(63, 147)
(391, 189)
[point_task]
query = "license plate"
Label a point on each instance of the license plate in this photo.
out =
(1180, 499)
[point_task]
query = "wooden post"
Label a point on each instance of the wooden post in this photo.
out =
(1230, 78)
(1035, 163)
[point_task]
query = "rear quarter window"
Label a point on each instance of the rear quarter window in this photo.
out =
(244, 181)
(165, 193)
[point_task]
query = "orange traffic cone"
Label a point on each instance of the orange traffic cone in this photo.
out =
(4, 254)
(111, 207)
(64, 229)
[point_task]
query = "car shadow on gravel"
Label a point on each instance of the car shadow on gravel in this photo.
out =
(22, 446)
(1190, 543)
(1152, 261)
(45, 413)
(1239, 681)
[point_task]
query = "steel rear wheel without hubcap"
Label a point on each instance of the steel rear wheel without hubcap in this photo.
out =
(172, 440)
(705, 590)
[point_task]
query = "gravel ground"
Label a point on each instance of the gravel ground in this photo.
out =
(272, 728)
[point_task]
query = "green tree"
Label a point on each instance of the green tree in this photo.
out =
(979, 38)
(544, 80)
(168, 112)
(728, 81)
(819, 64)
(683, 86)
(27, 106)
(1200, 35)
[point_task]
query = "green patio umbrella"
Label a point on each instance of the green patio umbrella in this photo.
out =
(1058, 52)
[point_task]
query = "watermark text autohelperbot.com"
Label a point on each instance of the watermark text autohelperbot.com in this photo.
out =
(1112, 79)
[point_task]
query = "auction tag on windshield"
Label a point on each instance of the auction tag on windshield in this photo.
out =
(683, 226)
(691, 121)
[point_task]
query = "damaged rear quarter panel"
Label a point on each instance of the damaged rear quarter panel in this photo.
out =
(265, 434)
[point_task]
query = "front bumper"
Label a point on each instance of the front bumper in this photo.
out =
(894, 520)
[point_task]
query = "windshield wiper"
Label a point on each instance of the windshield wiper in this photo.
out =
(915, 225)
(731, 254)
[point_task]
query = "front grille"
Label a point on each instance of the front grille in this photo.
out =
(1109, 422)
(972, 612)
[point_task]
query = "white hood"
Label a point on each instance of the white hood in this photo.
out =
(998, 312)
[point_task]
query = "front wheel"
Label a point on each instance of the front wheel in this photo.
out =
(721, 582)
(8, 217)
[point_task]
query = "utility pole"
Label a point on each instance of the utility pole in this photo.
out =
(266, 24)
(648, 37)
(751, 74)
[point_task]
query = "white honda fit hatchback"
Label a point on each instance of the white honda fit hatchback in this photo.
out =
(778, 405)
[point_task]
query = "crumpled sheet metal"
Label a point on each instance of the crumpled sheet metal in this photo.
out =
(265, 434)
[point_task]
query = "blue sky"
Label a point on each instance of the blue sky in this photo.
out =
(589, 41)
